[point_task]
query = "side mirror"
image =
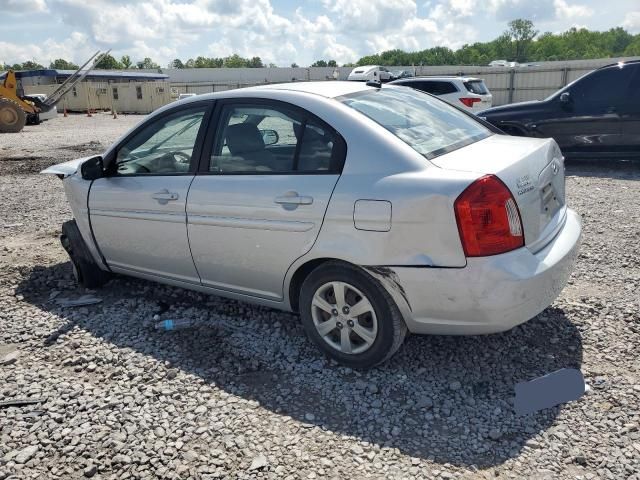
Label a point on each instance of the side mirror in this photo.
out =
(565, 98)
(269, 137)
(92, 169)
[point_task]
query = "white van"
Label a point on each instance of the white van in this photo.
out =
(370, 72)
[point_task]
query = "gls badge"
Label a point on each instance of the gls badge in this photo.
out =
(524, 184)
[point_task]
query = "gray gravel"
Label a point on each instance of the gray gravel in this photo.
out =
(253, 399)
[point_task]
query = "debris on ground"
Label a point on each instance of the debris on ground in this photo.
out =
(22, 402)
(78, 302)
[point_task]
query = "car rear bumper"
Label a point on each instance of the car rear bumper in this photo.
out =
(490, 294)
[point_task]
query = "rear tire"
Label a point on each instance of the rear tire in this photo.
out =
(348, 315)
(87, 272)
(12, 117)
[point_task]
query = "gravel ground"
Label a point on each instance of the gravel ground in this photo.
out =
(252, 398)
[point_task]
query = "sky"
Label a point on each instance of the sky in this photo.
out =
(279, 31)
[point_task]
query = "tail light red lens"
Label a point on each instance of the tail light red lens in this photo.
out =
(488, 218)
(469, 101)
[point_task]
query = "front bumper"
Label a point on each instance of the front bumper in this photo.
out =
(490, 294)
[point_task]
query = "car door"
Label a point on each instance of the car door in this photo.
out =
(137, 211)
(587, 120)
(630, 114)
(259, 202)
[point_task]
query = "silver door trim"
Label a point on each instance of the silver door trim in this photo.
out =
(177, 217)
(250, 223)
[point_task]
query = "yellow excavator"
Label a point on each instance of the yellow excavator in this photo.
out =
(16, 108)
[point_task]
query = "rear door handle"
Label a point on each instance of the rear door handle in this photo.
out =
(165, 196)
(294, 200)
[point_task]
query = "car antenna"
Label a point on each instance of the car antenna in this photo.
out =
(374, 83)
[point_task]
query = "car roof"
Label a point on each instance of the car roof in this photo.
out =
(438, 77)
(327, 89)
(622, 62)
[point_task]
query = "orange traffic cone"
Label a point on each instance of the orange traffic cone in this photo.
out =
(65, 112)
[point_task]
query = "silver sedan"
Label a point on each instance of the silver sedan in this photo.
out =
(371, 211)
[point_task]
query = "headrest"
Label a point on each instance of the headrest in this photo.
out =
(244, 138)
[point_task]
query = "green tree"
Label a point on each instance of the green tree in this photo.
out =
(255, 62)
(235, 61)
(126, 62)
(319, 63)
(147, 63)
(294, 65)
(522, 33)
(31, 65)
(191, 63)
(332, 63)
(62, 64)
(177, 63)
(108, 62)
(633, 49)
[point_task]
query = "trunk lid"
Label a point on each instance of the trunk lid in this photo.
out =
(532, 168)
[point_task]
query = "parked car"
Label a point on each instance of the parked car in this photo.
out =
(597, 115)
(369, 73)
(503, 63)
(397, 74)
(467, 92)
(370, 211)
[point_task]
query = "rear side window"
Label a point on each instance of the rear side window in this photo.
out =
(430, 126)
(434, 87)
(603, 87)
(266, 139)
(476, 86)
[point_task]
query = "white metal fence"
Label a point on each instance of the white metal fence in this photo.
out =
(508, 85)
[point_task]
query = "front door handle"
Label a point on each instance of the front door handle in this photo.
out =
(294, 199)
(164, 196)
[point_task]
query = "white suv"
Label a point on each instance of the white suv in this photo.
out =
(466, 92)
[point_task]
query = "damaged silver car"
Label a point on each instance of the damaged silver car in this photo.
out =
(372, 211)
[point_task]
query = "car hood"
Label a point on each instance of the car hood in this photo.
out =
(513, 107)
(66, 169)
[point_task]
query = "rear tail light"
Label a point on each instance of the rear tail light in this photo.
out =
(488, 218)
(469, 101)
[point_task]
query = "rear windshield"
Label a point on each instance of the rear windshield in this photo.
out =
(430, 126)
(476, 86)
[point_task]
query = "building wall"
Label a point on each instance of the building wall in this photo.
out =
(132, 97)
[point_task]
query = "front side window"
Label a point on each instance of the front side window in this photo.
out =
(604, 87)
(271, 139)
(430, 126)
(165, 146)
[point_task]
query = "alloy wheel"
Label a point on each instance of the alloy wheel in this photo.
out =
(344, 317)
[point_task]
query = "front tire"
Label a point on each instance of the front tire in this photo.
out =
(348, 315)
(85, 269)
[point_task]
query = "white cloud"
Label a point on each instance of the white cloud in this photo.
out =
(538, 10)
(370, 15)
(566, 11)
(632, 22)
(343, 30)
(73, 47)
(23, 6)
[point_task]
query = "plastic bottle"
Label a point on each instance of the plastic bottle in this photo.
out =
(170, 325)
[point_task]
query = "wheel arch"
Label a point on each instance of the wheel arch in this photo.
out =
(385, 276)
(299, 275)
